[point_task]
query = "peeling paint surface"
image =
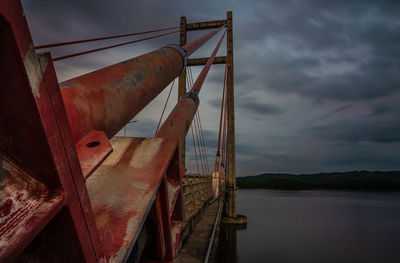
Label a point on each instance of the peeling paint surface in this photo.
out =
(173, 191)
(33, 69)
(176, 232)
(22, 199)
(121, 191)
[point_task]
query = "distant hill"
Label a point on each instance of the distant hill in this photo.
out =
(354, 180)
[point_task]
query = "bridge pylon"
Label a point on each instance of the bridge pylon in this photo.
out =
(230, 215)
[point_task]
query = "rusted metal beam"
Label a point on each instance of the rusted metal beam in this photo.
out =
(203, 61)
(205, 25)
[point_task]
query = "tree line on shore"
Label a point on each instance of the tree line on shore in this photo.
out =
(354, 180)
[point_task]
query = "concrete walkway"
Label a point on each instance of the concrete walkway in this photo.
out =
(195, 248)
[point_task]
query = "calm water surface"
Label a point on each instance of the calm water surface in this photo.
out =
(314, 226)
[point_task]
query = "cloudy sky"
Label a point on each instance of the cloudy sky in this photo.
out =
(317, 82)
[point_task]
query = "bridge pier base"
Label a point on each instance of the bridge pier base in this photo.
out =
(238, 220)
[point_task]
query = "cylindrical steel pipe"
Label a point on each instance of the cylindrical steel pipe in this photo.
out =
(178, 122)
(108, 98)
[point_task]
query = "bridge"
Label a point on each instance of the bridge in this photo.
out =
(73, 191)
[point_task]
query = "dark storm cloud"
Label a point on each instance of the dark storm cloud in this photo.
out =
(360, 157)
(384, 109)
(352, 47)
(339, 109)
(288, 39)
(249, 104)
(252, 106)
(360, 131)
(342, 52)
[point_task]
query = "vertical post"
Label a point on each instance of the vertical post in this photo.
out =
(231, 216)
(231, 189)
(182, 87)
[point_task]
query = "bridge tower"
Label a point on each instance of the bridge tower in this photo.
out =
(231, 216)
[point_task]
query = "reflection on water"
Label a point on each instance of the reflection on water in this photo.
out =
(314, 226)
(228, 242)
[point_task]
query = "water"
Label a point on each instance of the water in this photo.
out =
(314, 226)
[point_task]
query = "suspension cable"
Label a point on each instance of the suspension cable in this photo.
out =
(203, 145)
(200, 79)
(222, 110)
(191, 129)
(196, 130)
(165, 105)
(102, 38)
(224, 137)
(219, 161)
(196, 87)
(112, 46)
(201, 130)
(200, 146)
(195, 152)
(205, 148)
(197, 120)
(196, 44)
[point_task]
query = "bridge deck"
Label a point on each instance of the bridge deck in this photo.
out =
(195, 247)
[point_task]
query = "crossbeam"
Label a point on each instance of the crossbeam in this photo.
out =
(203, 61)
(205, 25)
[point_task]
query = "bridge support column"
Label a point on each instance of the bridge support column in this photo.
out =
(230, 207)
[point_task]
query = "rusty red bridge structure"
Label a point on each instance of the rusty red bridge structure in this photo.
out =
(73, 191)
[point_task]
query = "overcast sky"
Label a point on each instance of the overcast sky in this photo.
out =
(317, 82)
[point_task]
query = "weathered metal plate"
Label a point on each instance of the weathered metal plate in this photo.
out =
(122, 190)
(176, 227)
(173, 193)
(92, 150)
(24, 204)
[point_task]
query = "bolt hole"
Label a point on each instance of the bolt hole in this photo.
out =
(93, 144)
